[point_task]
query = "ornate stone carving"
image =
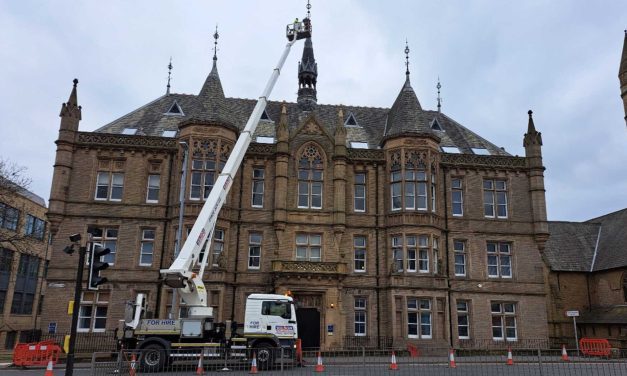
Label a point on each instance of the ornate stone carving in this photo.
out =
(366, 154)
(308, 267)
(311, 128)
(108, 139)
(266, 149)
(490, 161)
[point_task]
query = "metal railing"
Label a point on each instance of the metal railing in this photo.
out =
(360, 362)
(85, 342)
(369, 342)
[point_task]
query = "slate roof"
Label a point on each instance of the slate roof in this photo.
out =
(571, 246)
(211, 105)
(595, 245)
(612, 250)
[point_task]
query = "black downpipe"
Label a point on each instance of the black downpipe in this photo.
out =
(163, 241)
(376, 227)
(237, 235)
(448, 259)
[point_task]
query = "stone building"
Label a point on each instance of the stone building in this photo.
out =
(588, 264)
(387, 225)
(24, 256)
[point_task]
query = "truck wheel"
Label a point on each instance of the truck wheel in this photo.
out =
(265, 355)
(153, 358)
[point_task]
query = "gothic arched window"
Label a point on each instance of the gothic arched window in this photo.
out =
(310, 178)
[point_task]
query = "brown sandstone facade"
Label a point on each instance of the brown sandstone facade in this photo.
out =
(387, 225)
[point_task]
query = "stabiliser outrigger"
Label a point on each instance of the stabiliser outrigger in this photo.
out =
(270, 319)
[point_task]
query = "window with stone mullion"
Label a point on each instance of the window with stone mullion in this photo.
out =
(204, 173)
(310, 179)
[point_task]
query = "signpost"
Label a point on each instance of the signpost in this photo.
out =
(574, 315)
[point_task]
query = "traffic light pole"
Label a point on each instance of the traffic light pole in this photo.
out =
(69, 367)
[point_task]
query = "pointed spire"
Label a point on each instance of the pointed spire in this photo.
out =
(71, 108)
(307, 75)
(167, 90)
(439, 86)
(406, 114)
(623, 62)
(532, 137)
(211, 94)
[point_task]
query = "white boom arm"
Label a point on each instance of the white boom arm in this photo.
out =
(180, 274)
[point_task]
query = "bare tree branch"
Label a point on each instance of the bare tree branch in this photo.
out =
(14, 184)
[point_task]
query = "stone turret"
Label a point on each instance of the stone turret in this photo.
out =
(70, 118)
(533, 152)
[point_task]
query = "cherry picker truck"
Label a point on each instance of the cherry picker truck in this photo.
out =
(270, 319)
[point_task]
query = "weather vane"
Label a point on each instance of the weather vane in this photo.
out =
(439, 86)
(169, 75)
(406, 57)
(308, 10)
(215, 44)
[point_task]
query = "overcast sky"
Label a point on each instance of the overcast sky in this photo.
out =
(495, 59)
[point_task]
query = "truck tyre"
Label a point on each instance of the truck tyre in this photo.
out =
(265, 355)
(153, 358)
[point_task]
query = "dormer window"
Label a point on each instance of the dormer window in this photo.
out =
(351, 121)
(435, 125)
(481, 151)
(264, 116)
(175, 109)
(129, 131)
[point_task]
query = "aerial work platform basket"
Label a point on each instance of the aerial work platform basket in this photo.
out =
(298, 30)
(36, 353)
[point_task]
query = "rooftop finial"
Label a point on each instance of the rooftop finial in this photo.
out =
(406, 58)
(439, 86)
(215, 44)
(167, 91)
(308, 10)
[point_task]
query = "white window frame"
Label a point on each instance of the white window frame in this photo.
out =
(494, 198)
(398, 250)
(360, 316)
(457, 186)
(110, 184)
(360, 247)
(433, 193)
(459, 250)
(463, 310)
(396, 185)
(93, 316)
(147, 246)
(217, 246)
(258, 181)
(152, 188)
(108, 241)
(411, 253)
(306, 187)
(423, 254)
(419, 308)
(505, 311)
(254, 250)
(308, 242)
(203, 168)
(360, 181)
(499, 255)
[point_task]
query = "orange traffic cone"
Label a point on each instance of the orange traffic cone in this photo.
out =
(49, 371)
(510, 359)
(393, 365)
(131, 372)
(319, 365)
(451, 359)
(253, 364)
(200, 369)
(564, 354)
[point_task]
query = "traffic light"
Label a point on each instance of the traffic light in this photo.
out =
(96, 265)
